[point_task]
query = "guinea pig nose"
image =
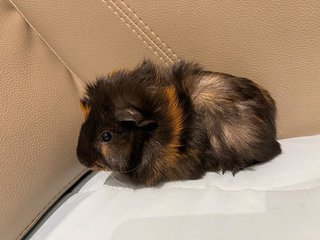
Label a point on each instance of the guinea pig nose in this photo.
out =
(83, 156)
(87, 155)
(83, 160)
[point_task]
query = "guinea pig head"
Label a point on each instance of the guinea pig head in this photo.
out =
(112, 136)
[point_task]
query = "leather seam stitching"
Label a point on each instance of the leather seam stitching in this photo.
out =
(45, 208)
(132, 25)
(82, 82)
(147, 28)
(143, 35)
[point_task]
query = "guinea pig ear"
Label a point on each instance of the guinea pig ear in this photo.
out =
(134, 116)
(85, 107)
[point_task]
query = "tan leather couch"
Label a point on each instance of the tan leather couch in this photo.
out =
(48, 49)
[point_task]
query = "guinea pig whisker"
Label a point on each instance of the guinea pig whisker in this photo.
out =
(115, 177)
(133, 169)
(128, 171)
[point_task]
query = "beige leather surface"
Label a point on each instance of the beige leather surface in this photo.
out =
(275, 43)
(39, 123)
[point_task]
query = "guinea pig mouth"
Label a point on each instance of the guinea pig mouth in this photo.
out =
(99, 167)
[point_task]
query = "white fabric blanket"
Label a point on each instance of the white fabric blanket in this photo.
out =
(276, 200)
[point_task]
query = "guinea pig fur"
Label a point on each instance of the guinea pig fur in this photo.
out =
(161, 123)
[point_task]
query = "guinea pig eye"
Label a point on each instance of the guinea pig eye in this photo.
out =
(105, 136)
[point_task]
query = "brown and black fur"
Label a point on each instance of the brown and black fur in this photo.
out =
(177, 122)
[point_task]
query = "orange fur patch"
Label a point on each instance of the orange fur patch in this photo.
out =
(104, 150)
(85, 110)
(175, 116)
(114, 71)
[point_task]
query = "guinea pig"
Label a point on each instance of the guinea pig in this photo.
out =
(162, 123)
